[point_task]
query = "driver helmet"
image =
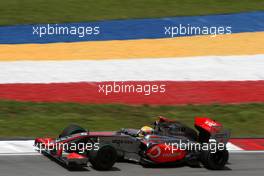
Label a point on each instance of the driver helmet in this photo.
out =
(145, 130)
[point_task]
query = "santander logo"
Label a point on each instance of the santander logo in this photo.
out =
(210, 123)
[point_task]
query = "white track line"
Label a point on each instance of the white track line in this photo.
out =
(17, 147)
(210, 68)
(233, 147)
(19, 154)
(247, 151)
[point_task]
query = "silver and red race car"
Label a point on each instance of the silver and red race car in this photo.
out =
(169, 142)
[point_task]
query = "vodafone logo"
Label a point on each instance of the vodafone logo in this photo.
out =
(154, 152)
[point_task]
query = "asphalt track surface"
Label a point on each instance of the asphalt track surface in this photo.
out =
(244, 164)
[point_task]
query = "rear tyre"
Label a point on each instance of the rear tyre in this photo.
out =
(104, 158)
(72, 129)
(215, 161)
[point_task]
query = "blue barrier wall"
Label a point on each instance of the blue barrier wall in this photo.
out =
(135, 29)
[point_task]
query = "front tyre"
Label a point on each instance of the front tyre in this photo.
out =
(215, 161)
(72, 129)
(104, 158)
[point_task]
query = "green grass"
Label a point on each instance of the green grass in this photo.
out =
(59, 11)
(43, 119)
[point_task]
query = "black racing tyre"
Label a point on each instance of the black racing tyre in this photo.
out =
(104, 158)
(214, 161)
(72, 129)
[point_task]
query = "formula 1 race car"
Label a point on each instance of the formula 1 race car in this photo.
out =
(169, 142)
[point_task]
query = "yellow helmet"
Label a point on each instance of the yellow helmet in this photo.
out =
(145, 130)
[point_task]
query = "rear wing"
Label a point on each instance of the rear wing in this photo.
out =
(211, 129)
